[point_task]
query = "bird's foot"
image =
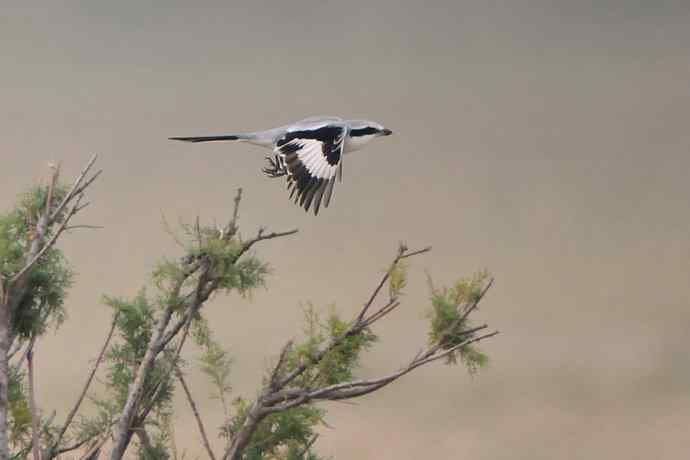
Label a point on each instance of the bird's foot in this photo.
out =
(276, 168)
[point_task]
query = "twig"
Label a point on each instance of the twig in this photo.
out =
(77, 188)
(192, 404)
(47, 245)
(277, 370)
(231, 229)
(415, 253)
(260, 237)
(308, 446)
(70, 448)
(162, 380)
(287, 399)
(18, 346)
(402, 254)
(23, 453)
(93, 451)
(87, 384)
(359, 323)
(383, 311)
(145, 440)
(53, 180)
(32, 402)
(92, 227)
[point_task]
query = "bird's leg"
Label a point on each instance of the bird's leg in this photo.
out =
(277, 167)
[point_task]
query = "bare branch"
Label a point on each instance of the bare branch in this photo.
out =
(144, 439)
(360, 322)
(455, 348)
(383, 311)
(461, 319)
(22, 455)
(402, 254)
(35, 434)
(94, 451)
(278, 369)
(200, 295)
(77, 188)
(123, 425)
(152, 400)
(17, 346)
(261, 237)
(241, 440)
(51, 188)
(287, 399)
(47, 245)
(231, 229)
(309, 445)
(162, 336)
(76, 227)
(415, 253)
(476, 301)
(192, 404)
(70, 448)
(85, 389)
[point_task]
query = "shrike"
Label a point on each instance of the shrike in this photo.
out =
(309, 152)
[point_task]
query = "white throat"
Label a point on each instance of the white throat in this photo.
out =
(356, 143)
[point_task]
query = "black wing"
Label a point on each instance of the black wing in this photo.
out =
(312, 159)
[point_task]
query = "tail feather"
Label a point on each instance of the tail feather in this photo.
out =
(230, 137)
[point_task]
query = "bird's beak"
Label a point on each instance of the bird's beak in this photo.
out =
(386, 132)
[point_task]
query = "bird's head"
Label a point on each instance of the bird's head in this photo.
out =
(364, 131)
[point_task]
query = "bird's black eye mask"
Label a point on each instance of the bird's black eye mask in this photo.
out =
(368, 131)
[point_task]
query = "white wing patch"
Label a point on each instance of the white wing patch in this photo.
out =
(311, 154)
(312, 158)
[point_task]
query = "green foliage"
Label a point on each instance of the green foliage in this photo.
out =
(448, 306)
(175, 282)
(20, 423)
(229, 271)
(279, 434)
(397, 279)
(48, 281)
(157, 451)
(215, 362)
(298, 453)
(90, 427)
(339, 363)
(160, 441)
(284, 435)
(41, 305)
(134, 325)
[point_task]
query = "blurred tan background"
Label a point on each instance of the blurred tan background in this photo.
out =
(545, 140)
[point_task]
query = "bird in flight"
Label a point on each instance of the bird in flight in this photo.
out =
(309, 152)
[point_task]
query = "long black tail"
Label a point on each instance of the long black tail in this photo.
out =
(206, 138)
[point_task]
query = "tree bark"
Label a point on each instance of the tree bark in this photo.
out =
(123, 425)
(241, 439)
(4, 372)
(35, 433)
(195, 410)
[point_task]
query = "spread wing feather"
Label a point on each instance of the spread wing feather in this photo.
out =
(312, 159)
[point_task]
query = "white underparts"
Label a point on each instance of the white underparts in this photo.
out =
(356, 143)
